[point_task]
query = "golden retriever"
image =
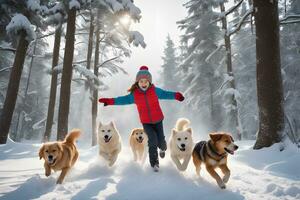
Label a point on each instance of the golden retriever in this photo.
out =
(138, 142)
(60, 155)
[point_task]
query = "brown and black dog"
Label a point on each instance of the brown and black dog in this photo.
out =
(60, 155)
(213, 154)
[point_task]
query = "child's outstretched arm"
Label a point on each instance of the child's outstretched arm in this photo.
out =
(163, 94)
(122, 100)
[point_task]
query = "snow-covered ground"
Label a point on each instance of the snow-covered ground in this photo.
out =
(264, 174)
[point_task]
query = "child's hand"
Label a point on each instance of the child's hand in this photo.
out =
(107, 101)
(179, 96)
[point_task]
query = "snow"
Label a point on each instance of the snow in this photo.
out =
(34, 5)
(137, 38)
(115, 5)
(20, 22)
(74, 4)
(255, 174)
(232, 91)
(59, 7)
(134, 11)
(87, 73)
(39, 125)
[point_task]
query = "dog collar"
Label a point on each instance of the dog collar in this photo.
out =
(212, 152)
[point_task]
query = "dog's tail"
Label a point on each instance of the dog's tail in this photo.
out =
(73, 135)
(182, 124)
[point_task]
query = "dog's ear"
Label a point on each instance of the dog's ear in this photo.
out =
(133, 131)
(189, 130)
(59, 145)
(100, 124)
(41, 152)
(215, 136)
(231, 138)
(174, 131)
(112, 124)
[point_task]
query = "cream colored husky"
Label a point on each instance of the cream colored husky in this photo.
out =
(181, 144)
(109, 141)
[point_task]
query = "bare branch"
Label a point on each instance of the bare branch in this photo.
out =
(6, 68)
(109, 60)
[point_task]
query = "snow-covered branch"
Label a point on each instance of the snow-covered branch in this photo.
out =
(229, 11)
(213, 53)
(240, 23)
(290, 22)
(7, 49)
(20, 22)
(6, 68)
(137, 39)
(288, 17)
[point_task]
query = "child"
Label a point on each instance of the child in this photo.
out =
(145, 95)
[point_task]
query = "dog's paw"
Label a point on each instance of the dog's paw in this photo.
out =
(222, 185)
(59, 181)
(47, 174)
(181, 168)
(110, 164)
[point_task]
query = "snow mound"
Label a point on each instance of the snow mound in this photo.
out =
(20, 22)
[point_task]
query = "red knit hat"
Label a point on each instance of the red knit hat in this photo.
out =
(144, 73)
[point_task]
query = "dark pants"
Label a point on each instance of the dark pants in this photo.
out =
(156, 138)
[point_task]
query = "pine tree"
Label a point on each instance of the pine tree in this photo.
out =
(169, 66)
(201, 74)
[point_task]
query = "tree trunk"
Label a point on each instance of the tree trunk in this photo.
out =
(13, 87)
(90, 45)
(65, 91)
(211, 106)
(86, 88)
(53, 87)
(95, 92)
(20, 132)
(269, 81)
(234, 122)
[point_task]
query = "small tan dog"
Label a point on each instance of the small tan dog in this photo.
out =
(213, 154)
(181, 144)
(109, 141)
(60, 155)
(138, 142)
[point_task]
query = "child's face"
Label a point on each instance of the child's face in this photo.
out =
(143, 83)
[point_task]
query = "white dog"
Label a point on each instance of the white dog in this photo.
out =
(109, 141)
(181, 144)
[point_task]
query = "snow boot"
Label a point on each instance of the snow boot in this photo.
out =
(156, 168)
(162, 153)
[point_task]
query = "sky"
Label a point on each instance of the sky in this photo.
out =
(158, 20)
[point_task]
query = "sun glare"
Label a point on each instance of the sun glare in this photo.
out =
(125, 20)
